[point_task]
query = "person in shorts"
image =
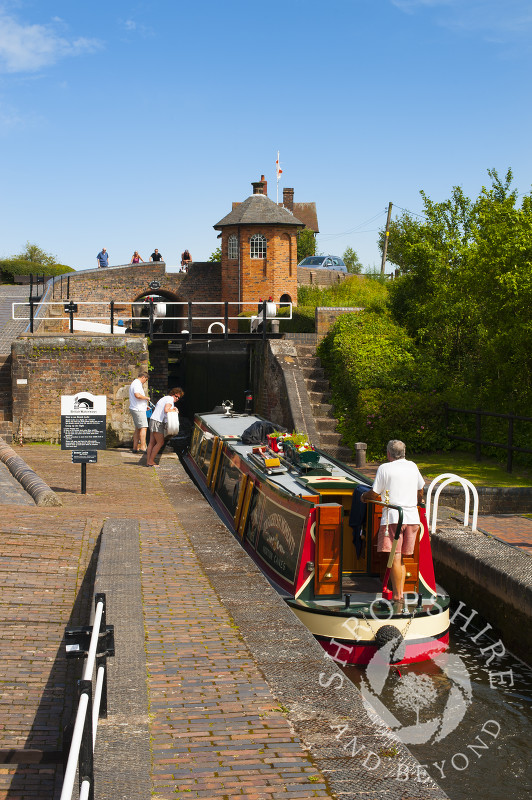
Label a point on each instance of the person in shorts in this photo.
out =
(165, 406)
(404, 484)
(138, 405)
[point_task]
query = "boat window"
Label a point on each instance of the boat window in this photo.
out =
(228, 484)
(205, 454)
(256, 508)
(196, 438)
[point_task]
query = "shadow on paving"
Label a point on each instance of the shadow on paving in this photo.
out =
(57, 706)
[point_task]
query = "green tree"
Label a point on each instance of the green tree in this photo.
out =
(216, 255)
(352, 262)
(36, 255)
(306, 244)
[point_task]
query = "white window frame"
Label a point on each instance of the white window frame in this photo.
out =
(232, 246)
(257, 246)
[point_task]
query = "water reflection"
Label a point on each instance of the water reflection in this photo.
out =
(487, 752)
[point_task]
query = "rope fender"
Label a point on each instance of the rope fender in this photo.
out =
(28, 479)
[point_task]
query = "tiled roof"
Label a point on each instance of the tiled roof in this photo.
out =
(259, 209)
(307, 213)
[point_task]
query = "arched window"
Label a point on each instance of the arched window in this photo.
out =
(284, 300)
(232, 246)
(257, 246)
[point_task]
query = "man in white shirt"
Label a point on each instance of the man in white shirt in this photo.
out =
(138, 404)
(404, 484)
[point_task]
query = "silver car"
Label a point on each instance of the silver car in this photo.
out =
(324, 262)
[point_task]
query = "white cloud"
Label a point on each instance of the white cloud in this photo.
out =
(500, 21)
(29, 48)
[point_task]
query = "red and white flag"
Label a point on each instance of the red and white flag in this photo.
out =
(279, 170)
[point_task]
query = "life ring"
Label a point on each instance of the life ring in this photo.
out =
(222, 326)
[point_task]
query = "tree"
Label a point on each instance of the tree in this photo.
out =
(465, 287)
(351, 260)
(36, 255)
(306, 244)
(216, 255)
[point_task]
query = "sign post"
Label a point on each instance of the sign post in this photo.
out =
(83, 428)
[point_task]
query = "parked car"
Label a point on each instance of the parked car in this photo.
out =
(324, 262)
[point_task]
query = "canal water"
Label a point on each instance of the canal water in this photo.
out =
(470, 713)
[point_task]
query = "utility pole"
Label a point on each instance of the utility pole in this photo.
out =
(386, 237)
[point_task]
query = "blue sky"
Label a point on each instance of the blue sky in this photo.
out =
(134, 125)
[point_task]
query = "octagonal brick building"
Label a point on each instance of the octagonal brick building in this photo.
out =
(259, 250)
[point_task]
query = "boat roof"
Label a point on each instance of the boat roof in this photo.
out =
(339, 477)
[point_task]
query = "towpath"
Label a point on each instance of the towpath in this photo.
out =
(214, 690)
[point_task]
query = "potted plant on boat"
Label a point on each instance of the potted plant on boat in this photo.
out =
(298, 449)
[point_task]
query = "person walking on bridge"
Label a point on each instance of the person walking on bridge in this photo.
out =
(102, 258)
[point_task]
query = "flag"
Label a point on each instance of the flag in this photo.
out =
(279, 170)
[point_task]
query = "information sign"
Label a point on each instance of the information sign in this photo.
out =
(83, 421)
(84, 456)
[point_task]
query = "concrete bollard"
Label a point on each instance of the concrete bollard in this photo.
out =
(360, 454)
(275, 325)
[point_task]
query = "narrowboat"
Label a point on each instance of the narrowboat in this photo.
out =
(294, 515)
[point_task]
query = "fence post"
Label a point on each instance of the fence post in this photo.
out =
(226, 320)
(189, 320)
(86, 760)
(151, 318)
(509, 461)
(31, 314)
(264, 320)
(68, 287)
(31, 285)
(112, 314)
(478, 436)
(61, 287)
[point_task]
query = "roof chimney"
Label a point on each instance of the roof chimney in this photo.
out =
(265, 182)
(288, 199)
(259, 186)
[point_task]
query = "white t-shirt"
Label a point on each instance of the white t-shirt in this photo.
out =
(402, 479)
(159, 414)
(134, 403)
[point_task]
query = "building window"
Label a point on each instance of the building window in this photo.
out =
(232, 247)
(257, 246)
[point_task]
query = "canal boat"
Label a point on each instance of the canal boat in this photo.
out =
(294, 514)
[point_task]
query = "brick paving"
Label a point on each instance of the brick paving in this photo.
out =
(9, 328)
(216, 729)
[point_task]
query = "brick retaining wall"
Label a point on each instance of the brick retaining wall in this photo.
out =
(46, 367)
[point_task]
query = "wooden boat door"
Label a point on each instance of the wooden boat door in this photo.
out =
(328, 553)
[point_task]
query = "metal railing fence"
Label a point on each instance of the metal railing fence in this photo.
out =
(125, 314)
(478, 441)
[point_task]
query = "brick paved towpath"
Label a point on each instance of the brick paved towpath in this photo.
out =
(214, 691)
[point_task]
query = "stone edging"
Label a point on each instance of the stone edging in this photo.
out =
(492, 499)
(28, 479)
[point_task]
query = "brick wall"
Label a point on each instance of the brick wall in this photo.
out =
(326, 317)
(320, 277)
(5, 388)
(46, 367)
(273, 276)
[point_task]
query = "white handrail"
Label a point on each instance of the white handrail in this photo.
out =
(445, 479)
(73, 756)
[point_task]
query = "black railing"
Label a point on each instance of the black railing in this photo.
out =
(479, 442)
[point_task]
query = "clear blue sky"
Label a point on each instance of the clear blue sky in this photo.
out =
(134, 125)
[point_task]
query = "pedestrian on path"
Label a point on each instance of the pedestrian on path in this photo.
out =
(398, 482)
(165, 406)
(102, 258)
(138, 405)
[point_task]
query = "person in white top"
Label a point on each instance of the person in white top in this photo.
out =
(404, 484)
(165, 406)
(138, 404)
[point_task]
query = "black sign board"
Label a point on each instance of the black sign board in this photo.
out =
(83, 421)
(84, 456)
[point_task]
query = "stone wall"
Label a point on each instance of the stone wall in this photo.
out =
(320, 277)
(46, 367)
(326, 317)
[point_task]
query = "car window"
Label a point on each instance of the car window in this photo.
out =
(311, 261)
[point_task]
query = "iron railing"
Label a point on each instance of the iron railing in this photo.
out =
(149, 313)
(478, 441)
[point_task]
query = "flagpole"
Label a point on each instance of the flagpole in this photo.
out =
(277, 177)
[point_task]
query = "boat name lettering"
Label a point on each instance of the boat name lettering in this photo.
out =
(278, 522)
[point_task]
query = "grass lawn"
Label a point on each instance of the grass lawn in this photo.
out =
(481, 473)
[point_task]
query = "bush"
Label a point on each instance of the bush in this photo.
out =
(380, 390)
(9, 267)
(356, 291)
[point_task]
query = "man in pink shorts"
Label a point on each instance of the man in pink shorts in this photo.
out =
(403, 481)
